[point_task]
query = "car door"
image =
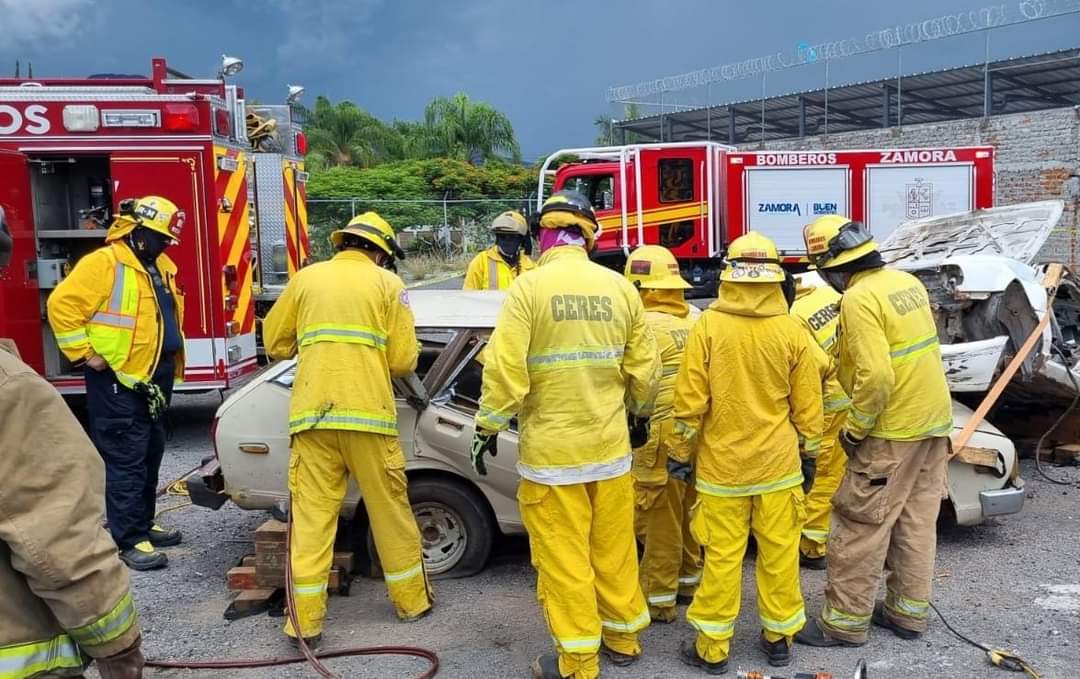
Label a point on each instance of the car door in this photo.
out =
(445, 431)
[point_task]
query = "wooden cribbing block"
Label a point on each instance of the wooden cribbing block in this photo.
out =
(241, 577)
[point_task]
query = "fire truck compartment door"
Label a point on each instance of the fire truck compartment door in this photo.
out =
(896, 194)
(780, 201)
(20, 307)
(179, 176)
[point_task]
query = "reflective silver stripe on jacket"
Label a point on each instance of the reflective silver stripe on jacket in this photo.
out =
(579, 473)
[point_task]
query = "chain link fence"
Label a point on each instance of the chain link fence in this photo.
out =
(427, 226)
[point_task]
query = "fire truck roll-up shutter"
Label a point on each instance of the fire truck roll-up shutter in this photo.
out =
(234, 238)
(295, 193)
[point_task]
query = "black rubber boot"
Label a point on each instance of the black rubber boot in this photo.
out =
(813, 635)
(165, 537)
(143, 557)
(618, 659)
(546, 667)
(313, 643)
(812, 563)
(880, 619)
(779, 652)
(689, 656)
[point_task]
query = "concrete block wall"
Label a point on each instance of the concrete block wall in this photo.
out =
(1037, 158)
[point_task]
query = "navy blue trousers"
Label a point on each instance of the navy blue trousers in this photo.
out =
(132, 445)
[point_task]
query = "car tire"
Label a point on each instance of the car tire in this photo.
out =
(456, 529)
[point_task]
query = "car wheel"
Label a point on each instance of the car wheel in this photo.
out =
(456, 529)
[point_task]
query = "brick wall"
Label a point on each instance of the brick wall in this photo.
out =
(1038, 158)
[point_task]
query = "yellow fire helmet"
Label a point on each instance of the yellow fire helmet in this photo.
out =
(565, 209)
(835, 240)
(653, 267)
(153, 212)
(752, 258)
(510, 221)
(373, 228)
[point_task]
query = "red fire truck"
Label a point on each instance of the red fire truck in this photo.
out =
(72, 149)
(696, 197)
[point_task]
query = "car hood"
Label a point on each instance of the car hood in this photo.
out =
(962, 415)
(1014, 231)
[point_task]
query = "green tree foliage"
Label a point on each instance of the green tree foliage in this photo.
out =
(458, 127)
(345, 134)
(361, 189)
(608, 135)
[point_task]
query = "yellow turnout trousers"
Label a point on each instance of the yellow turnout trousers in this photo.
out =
(723, 525)
(671, 564)
(321, 462)
(582, 541)
(831, 463)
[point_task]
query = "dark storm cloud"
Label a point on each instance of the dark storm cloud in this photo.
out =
(546, 64)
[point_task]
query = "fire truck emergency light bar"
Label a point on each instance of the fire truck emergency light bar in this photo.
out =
(174, 118)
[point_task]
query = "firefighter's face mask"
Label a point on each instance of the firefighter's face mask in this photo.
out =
(149, 245)
(837, 280)
(509, 245)
(6, 244)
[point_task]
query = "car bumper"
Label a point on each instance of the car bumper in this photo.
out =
(206, 485)
(1008, 500)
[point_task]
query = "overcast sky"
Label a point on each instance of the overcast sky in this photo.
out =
(546, 64)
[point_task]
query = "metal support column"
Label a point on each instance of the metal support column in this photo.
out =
(885, 101)
(988, 82)
(802, 116)
(731, 125)
(708, 111)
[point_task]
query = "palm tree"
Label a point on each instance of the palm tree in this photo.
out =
(605, 127)
(461, 128)
(345, 134)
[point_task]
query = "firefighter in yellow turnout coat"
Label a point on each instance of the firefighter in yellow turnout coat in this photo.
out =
(570, 355)
(350, 322)
(750, 393)
(120, 316)
(65, 598)
(895, 437)
(818, 310)
(671, 564)
(498, 266)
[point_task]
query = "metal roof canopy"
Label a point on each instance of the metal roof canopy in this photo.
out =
(1030, 83)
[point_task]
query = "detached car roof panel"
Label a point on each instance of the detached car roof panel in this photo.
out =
(456, 308)
(1015, 231)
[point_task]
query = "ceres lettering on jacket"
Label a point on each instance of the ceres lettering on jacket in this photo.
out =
(581, 308)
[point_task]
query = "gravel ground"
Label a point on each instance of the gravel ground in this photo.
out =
(1014, 582)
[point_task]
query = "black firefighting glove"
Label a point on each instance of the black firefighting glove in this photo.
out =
(680, 471)
(639, 430)
(849, 443)
(155, 398)
(484, 442)
(809, 472)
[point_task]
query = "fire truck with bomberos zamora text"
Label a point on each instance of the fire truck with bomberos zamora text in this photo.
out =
(696, 197)
(72, 148)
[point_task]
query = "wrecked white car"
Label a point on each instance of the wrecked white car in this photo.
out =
(988, 296)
